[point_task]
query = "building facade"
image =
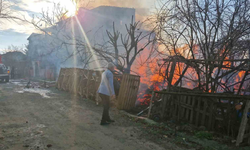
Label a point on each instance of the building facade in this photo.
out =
(69, 43)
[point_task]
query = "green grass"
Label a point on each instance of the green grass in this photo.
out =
(204, 135)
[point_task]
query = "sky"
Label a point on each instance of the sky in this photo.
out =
(16, 33)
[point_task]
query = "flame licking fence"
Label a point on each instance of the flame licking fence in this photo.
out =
(214, 111)
(86, 82)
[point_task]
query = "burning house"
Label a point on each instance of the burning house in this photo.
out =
(62, 44)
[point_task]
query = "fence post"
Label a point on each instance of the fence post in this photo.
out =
(150, 106)
(243, 124)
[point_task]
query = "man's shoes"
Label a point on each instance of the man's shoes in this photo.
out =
(110, 121)
(104, 123)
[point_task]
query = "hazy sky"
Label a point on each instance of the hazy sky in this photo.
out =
(16, 33)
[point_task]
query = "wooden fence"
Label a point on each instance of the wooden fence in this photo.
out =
(79, 81)
(86, 82)
(214, 111)
(128, 91)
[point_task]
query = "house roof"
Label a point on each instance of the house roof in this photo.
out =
(33, 35)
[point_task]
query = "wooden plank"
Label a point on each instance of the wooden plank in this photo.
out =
(134, 88)
(179, 108)
(73, 81)
(59, 79)
(120, 96)
(69, 81)
(84, 83)
(243, 124)
(129, 100)
(150, 105)
(79, 89)
(192, 110)
(171, 105)
(187, 109)
(125, 89)
(164, 98)
(93, 85)
(164, 103)
(198, 111)
(81, 83)
(65, 81)
(204, 113)
(228, 117)
(176, 102)
(187, 114)
(128, 91)
(126, 95)
(183, 109)
(78, 82)
(210, 119)
(87, 84)
(134, 91)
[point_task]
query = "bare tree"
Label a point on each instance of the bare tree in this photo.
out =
(56, 35)
(7, 13)
(122, 48)
(206, 42)
(125, 49)
(13, 48)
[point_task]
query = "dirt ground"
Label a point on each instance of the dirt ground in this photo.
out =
(48, 119)
(57, 120)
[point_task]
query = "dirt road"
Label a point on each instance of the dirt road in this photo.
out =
(57, 120)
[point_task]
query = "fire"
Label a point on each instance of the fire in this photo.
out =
(151, 80)
(155, 76)
(189, 84)
(241, 74)
(227, 63)
(238, 78)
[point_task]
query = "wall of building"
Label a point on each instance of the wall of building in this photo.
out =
(89, 26)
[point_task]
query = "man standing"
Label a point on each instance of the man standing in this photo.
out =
(106, 91)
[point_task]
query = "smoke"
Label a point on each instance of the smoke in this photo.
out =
(126, 3)
(143, 7)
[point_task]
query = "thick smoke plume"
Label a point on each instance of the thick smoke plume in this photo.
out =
(143, 7)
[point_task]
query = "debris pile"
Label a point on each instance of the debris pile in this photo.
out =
(33, 87)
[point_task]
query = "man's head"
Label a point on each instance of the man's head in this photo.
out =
(111, 66)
